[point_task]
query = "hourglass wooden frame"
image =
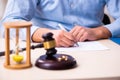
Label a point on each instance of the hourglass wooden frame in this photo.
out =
(17, 25)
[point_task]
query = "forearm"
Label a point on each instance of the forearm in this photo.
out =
(37, 35)
(114, 11)
(102, 32)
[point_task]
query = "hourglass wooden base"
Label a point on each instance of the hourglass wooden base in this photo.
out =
(18, 66)
(56, 62)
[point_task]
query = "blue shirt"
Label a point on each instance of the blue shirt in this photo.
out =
(49, 13)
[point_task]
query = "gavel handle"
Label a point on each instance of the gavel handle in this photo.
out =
(40, 45)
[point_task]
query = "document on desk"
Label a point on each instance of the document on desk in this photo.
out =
(86, 46)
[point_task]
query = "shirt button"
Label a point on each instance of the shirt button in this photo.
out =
(71, 5)
(75, 23)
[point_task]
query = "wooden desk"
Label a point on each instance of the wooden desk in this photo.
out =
(92, 65)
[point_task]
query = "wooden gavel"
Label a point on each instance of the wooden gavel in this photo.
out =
(40, 45)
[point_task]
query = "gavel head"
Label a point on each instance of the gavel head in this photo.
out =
(48, 36)
(49, 44)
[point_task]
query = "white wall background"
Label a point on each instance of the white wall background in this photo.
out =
(2, 7)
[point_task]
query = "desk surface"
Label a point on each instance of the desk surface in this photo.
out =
(92, 65)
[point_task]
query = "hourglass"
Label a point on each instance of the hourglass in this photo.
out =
(17, 57)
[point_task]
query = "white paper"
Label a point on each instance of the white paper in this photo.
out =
(90, 45)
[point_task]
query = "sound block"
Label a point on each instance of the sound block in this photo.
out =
(56, 62)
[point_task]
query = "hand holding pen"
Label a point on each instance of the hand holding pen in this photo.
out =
(67, 36)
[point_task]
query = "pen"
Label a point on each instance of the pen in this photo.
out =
(63, 28)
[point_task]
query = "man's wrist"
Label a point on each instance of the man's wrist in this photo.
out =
(102, 33)
(37, 35)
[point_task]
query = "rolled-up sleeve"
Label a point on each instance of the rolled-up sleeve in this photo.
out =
(114, 10)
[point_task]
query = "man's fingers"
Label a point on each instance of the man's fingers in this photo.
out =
(69, 36)
(83, 37)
